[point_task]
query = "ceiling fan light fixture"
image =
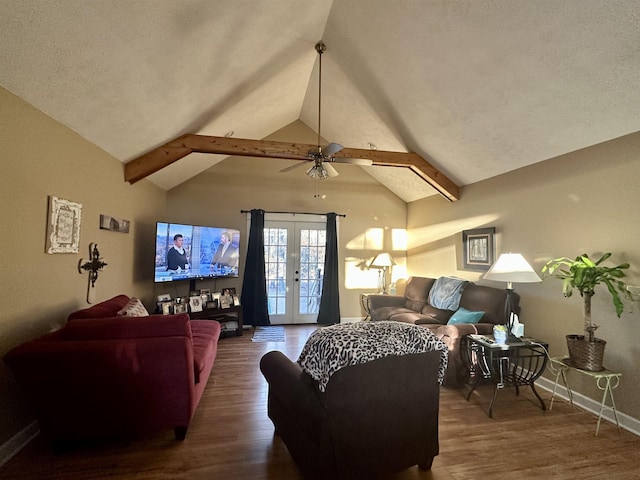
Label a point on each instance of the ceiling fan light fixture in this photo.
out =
(322, 171)
(331, 172)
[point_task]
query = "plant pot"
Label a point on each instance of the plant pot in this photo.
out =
(584, 354)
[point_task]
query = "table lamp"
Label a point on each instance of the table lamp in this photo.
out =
(383, 261)
(511, 268)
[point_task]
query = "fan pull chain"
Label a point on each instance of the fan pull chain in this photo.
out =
(317, 193)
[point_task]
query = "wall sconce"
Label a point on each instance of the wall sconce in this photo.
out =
(93, 266)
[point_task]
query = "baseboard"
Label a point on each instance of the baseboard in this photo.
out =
(627, 422)
(18, 442)
(350, 319)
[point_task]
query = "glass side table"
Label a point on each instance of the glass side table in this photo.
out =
(606, 381)
(516, 364)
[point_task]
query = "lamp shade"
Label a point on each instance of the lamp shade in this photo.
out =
(512, 268)
(383, 259)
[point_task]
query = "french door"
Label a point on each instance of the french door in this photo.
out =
(294, 267)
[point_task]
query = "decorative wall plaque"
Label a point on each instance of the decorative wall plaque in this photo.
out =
(63, 226)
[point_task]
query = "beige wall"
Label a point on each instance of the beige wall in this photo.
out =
(216, 197)
(41, 157)
(582, 202)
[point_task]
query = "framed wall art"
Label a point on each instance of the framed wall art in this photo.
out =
(478, 248)
(63, 226)
(114, 224)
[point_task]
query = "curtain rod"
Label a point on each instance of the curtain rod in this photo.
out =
(298, 213)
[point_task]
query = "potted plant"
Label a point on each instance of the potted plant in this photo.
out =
(583, 274)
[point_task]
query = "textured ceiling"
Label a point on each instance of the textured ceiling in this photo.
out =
(478, 88)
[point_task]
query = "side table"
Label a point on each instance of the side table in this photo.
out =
(515, 364)
(606, 380)
(364, 303)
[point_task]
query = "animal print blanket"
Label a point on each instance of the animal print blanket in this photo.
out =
(329, 349)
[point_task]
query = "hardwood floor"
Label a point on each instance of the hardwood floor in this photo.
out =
(231, 436)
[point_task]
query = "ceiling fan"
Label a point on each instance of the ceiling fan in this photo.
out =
(321, 157)
(320, 169)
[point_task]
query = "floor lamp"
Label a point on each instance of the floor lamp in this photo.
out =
(511, 268)
(384, 261)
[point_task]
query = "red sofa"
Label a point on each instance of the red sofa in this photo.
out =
(104, 375)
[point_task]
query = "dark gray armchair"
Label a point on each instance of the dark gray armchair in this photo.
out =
(372, 420)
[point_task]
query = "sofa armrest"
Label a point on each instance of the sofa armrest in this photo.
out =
(380, 300)
(292, 390)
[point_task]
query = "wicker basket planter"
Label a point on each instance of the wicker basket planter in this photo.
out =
(584, 354)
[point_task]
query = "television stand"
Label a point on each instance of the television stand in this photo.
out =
(222, 315)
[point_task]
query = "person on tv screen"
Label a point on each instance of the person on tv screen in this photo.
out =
(177, 255)
(226, 254)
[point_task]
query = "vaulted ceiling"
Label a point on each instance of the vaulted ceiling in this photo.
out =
(477, 88)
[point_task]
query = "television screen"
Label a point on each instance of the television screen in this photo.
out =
(187, 252)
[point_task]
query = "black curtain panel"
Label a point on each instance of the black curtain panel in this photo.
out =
(330, 302)
(254, 284)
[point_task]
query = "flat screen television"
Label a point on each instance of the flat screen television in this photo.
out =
(195, 252)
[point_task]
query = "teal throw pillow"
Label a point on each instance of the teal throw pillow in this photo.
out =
(465, 316)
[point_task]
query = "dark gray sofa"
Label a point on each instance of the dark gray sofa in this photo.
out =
(414, 307)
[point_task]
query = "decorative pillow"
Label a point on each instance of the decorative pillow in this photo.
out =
(133, 308)
(463, 315)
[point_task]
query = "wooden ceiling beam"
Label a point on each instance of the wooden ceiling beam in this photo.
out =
(182, 146)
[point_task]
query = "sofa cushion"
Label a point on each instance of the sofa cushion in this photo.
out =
(108, 308)
(205, 343)
(437, 315)
(385, 313)
(125, 327)
(133, 308)
(463, 315)
(416, 293)
(489, 300)
(410, 317)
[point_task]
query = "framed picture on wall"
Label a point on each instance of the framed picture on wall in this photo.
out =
(63, 226)
(478, 248)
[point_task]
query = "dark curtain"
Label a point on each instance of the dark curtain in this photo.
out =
(254, 284)
(329, 312)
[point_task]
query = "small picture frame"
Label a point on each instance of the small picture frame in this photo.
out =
(225, 301)
(236, 300)
(205, 291)
(215, 297)
(165, 297)
(478, 248)
(212, 304)
(167, 308)
(180, 308)
(195, 303)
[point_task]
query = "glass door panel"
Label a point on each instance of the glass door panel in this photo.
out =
(294, 265)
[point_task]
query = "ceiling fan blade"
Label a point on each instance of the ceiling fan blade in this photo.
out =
(293, 167)
(331, 149)
(354, 161)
